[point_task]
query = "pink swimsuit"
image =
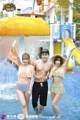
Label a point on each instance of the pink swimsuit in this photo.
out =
(25, 72)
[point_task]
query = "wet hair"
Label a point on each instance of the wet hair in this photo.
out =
(58, 58)
(45, 51)
(26, 56)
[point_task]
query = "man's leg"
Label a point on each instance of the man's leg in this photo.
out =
(35, 96)
(43, 96)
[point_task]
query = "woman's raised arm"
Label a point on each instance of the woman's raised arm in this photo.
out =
(17, 56)
(70, 49)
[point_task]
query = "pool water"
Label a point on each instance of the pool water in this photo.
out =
(10, 106)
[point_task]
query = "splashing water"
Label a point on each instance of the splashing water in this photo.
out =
(8, 72)
(8, 78)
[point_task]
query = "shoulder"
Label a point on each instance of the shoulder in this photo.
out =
(32, 62)
(31, 66)
(38, 61)
(50, 64)
(20, 65)
(53, 68)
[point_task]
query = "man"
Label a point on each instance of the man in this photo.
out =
(40, 86)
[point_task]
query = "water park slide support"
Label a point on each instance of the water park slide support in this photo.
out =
(76, 52)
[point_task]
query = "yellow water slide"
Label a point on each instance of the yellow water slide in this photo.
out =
(76, 52)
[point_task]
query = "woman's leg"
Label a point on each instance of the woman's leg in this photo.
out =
(52, 95)
(27, 97)
(21, 97)
(55, 100)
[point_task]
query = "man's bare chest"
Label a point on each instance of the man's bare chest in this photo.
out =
(42, 67)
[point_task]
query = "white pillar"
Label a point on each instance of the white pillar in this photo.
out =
(45, 4)
(51, 32)
(62, 23)
(52, 15)
(74, 31)
(51, 47)
(71, 12)
(51, 41)
(62, 16)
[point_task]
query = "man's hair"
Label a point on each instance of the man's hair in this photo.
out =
(45, 51)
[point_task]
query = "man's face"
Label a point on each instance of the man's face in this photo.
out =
(45, 56)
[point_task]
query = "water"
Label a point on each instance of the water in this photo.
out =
(8, 78)
(9, 104)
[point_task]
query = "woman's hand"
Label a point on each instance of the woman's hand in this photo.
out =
(14, 43)
(69, 51)
(29, 92)
(71, 47)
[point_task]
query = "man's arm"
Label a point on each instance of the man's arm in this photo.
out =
(32, 81)
(47, 76)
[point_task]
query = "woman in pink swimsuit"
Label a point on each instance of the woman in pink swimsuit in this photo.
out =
(25, 82)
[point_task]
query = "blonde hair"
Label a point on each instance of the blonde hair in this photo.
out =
(26, 56)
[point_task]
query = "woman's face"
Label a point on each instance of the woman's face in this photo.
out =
(57, 62)
(25, 60)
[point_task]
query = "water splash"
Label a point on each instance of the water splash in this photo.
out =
(8, 72)
(8, 91)
(8, 78)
